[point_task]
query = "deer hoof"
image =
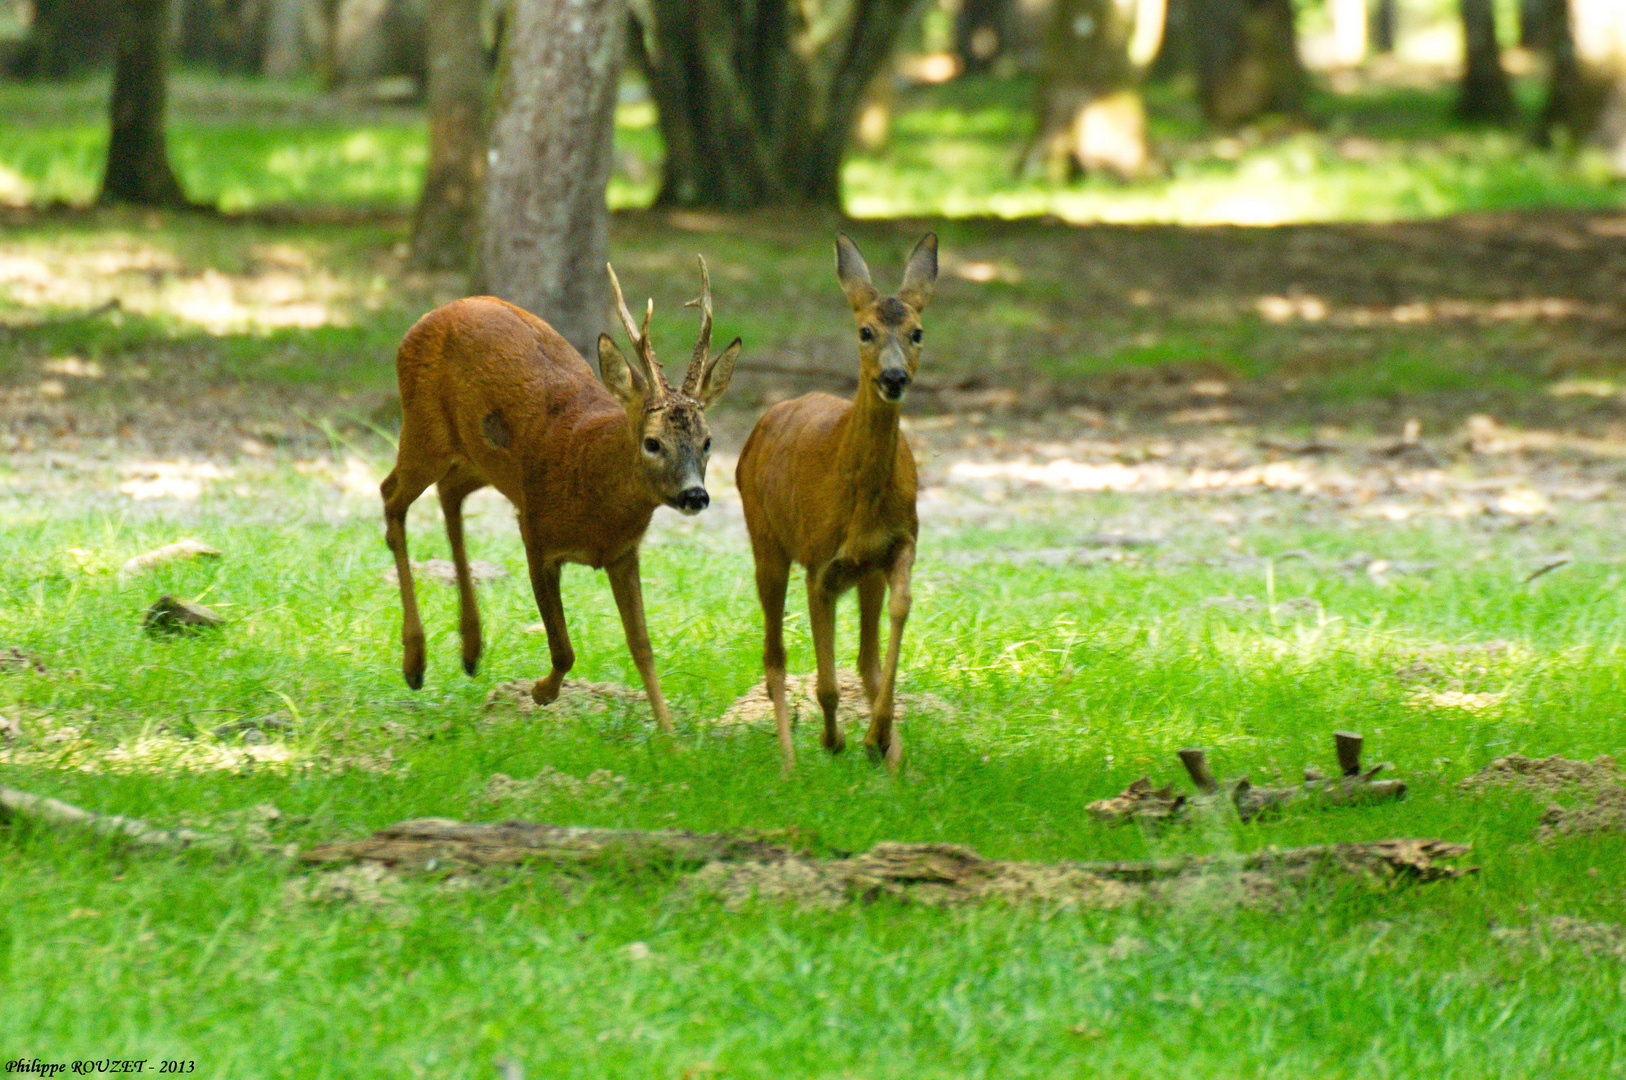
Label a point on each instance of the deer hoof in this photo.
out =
(414, 679)
(545, 692)
(833, 741)
(890, 755)
(471, 664)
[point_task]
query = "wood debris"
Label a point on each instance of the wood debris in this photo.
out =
(173, 615)
(1141, 802)
(180, 549)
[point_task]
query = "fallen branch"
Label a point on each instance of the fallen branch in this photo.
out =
(47, 811)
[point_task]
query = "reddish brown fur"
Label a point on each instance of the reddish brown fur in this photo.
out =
(830, 484)
(490, 394)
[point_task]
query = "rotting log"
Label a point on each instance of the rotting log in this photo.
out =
(740, 868)
(431, 843)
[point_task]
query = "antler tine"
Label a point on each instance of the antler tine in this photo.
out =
(639, 338)
(702, 347)
(649, 348)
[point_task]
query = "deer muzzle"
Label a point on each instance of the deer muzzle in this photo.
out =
(692, 500)
(892, 382)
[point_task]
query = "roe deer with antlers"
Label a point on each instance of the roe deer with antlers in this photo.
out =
(829, 484)
(490, 394)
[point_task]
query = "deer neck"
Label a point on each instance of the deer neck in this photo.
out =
(613, 457)
(869, 446)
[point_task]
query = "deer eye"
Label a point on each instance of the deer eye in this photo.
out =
(916, 336)
(866, 334)
(652, 446)
(705, 447)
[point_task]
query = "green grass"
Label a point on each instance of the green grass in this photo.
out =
(1378, 154)
(1067, 683)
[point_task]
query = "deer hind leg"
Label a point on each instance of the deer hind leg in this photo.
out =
(821, 621)
(871, 595)
(453, 488)
(629, 599)
(551, 606)
(401, 489)
(773, 574)
(881, 740)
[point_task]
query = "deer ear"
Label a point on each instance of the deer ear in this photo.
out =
(920, 275)
(623, 380)
(853, 274)
(718, 372)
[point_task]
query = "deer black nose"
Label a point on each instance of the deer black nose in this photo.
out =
(893, 381)
(693, 499)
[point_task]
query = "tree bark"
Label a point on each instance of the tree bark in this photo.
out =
(1484, 94)
(1247, 59)
(982, 29)
(544, 232)
(748, 116)
(137, 158)
(1587, 94)
(1091, 117)
(448, 207)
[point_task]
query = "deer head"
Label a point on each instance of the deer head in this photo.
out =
(889, 331)
(673, 440)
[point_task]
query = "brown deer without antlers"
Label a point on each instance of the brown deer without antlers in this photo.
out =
(829, 484)
(491, 394)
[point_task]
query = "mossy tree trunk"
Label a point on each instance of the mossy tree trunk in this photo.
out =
(1247, 59)
(754, 109)
(443, 225)
(1587, 94)
(137, 157)
(1091, 117)
(544, 228)
(1484, 95)
(1381, 34)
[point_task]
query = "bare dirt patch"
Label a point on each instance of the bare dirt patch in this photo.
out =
(1594, 793)
(754, 708)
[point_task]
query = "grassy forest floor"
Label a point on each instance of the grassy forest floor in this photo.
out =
(1169, 499)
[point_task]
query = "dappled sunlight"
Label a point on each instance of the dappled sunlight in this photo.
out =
(182, 480)
(281, 288)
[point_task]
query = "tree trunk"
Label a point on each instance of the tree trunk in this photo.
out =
(137, 160)
(286, 52)
(1533, 24)
(1484, 94)
(1381, 33)
(68, 37)
(981, 30)
(748, 117)
(443, 226)
(544, 234)
(1587, 94)
(1091, 117)
(1247, 59)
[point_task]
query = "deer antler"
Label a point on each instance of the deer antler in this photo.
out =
(702, 347)
(641, 345)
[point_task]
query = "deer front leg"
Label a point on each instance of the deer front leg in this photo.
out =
(882, 741)
(545, 583)
(871, 595)
(629, 599)
(400, 489)
(773, 573)
(821, 622)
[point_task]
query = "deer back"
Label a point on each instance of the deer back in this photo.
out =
(495, 386)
